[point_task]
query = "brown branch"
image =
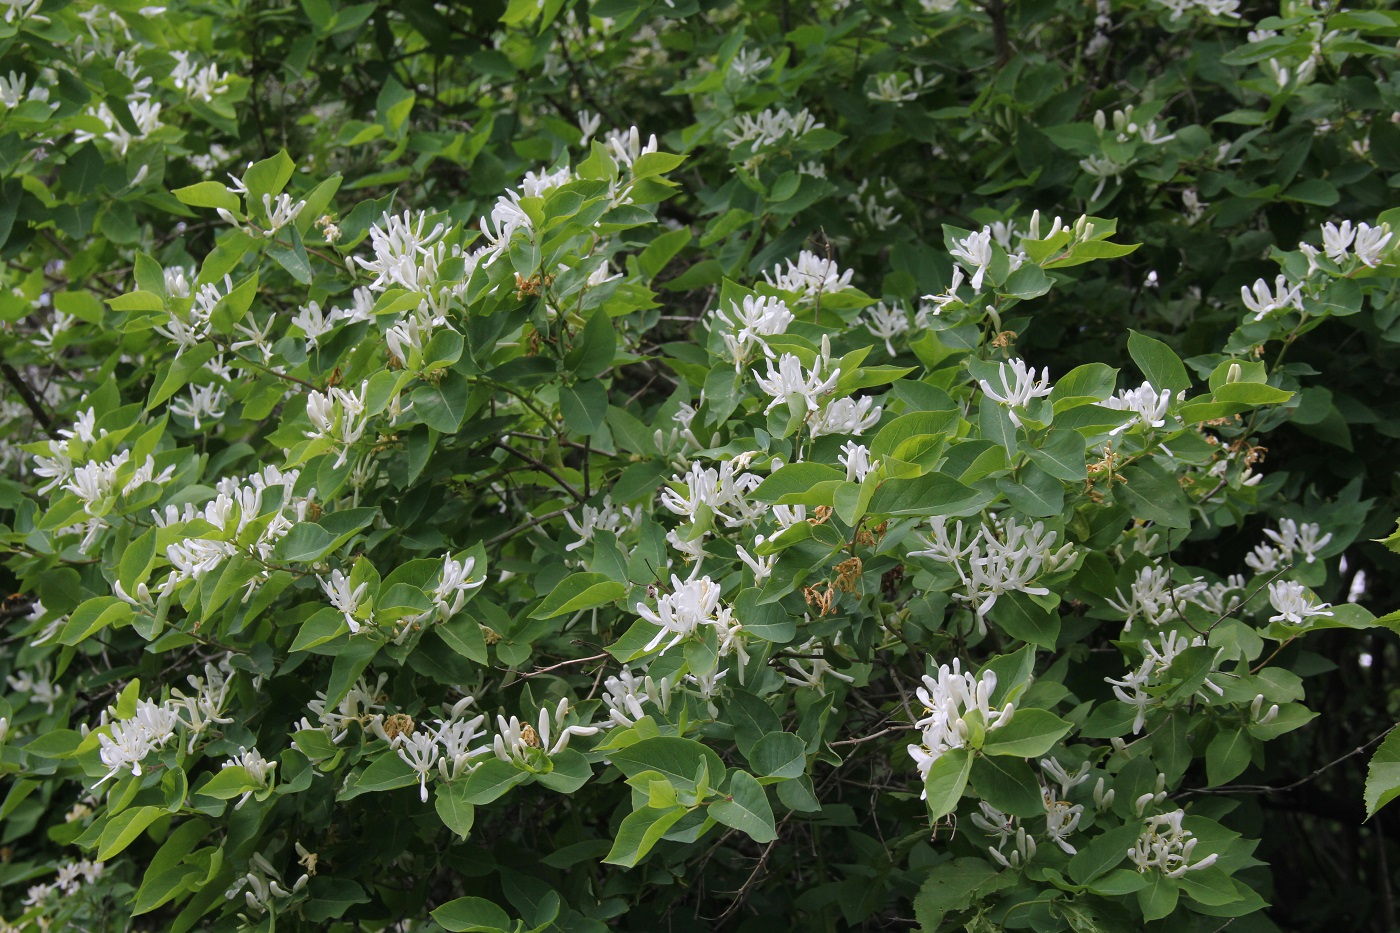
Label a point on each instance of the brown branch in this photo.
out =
(31, 401)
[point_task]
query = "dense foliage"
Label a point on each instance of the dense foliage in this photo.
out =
(639, 466)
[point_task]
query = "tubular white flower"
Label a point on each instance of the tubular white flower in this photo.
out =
(948, 699)
(975, 252)
(1166, 846)
(1145, 401)
(1020, 389)
(1294, 604)
(683, 611)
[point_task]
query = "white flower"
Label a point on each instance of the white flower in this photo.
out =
(754, 320)
(683, 611)
(1145, 401)
(512, 740)
(856, 459)
(975, 252)
(948, 699)
(338, 416)
(812, 669)
(1336, 241)
(1153, 597)
(1263, 302)
(771, 127)
(1001, 557)
(723, 491)
(343, 598)
(624, 694)
(1018, 391)
(131, 740)
(314, 325)
(810, 276)
(1167, 847)
(259, 770)
(450, 594)
(1371, 243)
(1303, 538)
(846, 416)
(607, 517)
(420, 752)
(790, 379)
(1061, 819)
(886, 323)
(1294, 603)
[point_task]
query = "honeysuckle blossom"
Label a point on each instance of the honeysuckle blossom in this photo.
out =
(846, 416)
(624, 694)
(1002, 556)
(1153, 597)
(975, 252)
(339, 416)
(259, 770)
(513, 740)
(1132, 689)
(1294, 604)
(752, 321)
(789, 378)
(1371, 243)
(1020, 389)
(606, 516)
(1262, 302)
(681, 612)
(1301, 538)
(856, 459)
(886, 323)
(1167, 846)
(1145, 401)
(770, 127)
(132, 739)
(343, 598)
(723, 491)
(948, 698)
(810, 276)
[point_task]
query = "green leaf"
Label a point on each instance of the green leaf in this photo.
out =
(385, 773)
(1104, 852)
(472, 915)
(746, 808)
(1034, 492)
(639, 832)
(596, 346)
(1158, 898)
(778, 754)
(269, 176)
(450, 801)
(1158, 362)
(122, 830)
(168, 870)
(796, 480)
(1383, 776)
(1152, 494)
(492, 778)
(584, 406)
(577, 592)
(209, 194)
(947, 777)
(443, 406)
(1228, 755)
(1022, 617)
(956, 885)
(928, 495)
(227, 783)
(677, 759)
(1031, 732)
(1009, 785)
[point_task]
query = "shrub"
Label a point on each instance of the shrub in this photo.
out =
(600, 467)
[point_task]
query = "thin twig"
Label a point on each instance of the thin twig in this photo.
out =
(555, 667)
